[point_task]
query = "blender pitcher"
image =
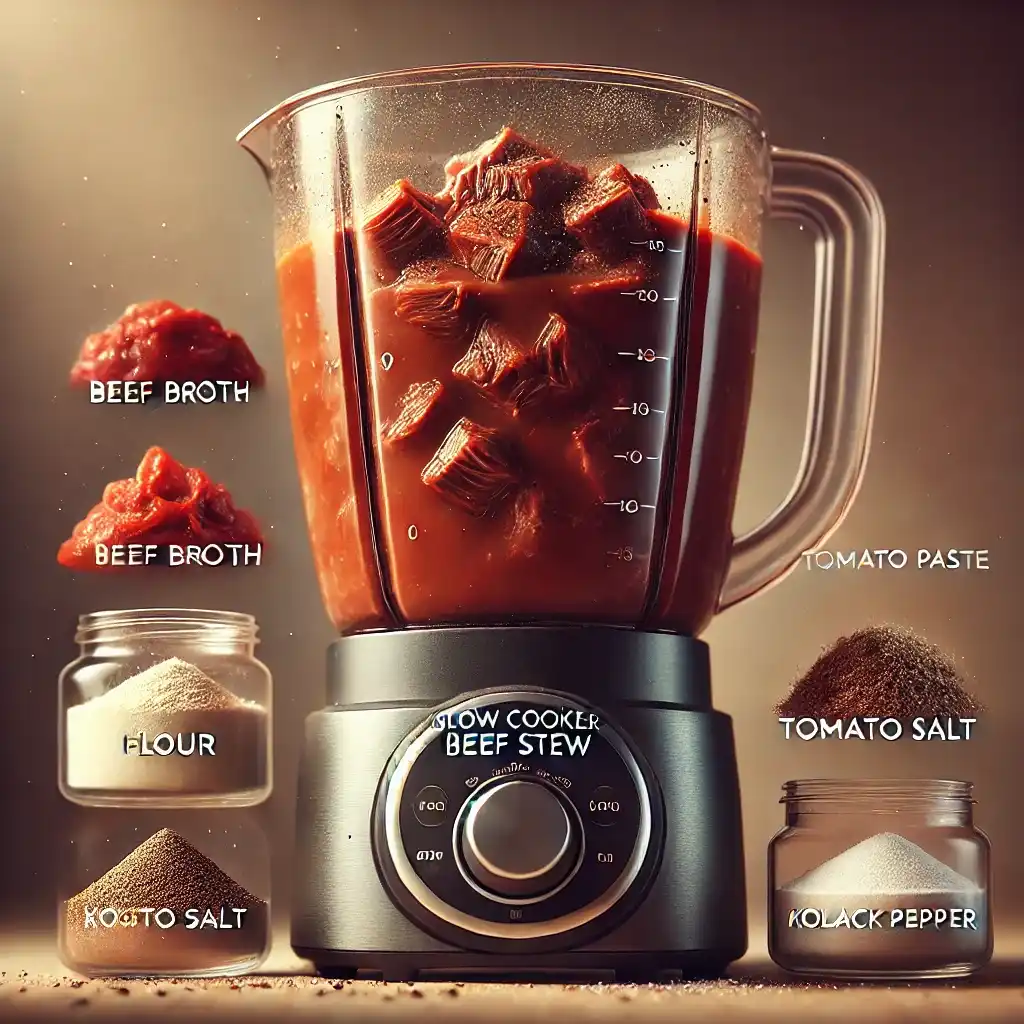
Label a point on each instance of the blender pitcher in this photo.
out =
(519, 307)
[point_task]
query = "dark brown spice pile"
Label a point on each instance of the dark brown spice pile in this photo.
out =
(165, 871)
(886, 671)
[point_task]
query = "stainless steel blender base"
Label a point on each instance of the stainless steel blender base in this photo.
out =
(686, 917)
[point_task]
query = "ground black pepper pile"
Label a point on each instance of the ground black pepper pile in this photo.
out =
(165, 871)
(886, 671)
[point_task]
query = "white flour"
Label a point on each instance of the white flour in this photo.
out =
(172, 697)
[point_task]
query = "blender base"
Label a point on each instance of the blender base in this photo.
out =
(688, 917)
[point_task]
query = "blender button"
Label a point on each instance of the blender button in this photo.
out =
(431, 806)
(604, 806)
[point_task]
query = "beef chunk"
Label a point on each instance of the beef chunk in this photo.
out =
(466, 171)
(607, 218)
(489, 238)
(642, 188)
(507, 238)
(414, 409)
(561, 352)
(541, 181)
(558, 366)
(473, 468)
(441, 304)
(493, 362)
(402, 223)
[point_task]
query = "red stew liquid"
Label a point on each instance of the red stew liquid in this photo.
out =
(534, 409)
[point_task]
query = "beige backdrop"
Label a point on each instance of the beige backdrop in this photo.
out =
(121, 181)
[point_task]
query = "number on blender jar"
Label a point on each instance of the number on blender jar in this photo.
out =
(387, 360)
(645, 355)
(629, 505)
(637, 409)
(655, 245)
(622, 554)
(412, 533)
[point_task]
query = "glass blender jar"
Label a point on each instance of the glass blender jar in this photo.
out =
(519, 307)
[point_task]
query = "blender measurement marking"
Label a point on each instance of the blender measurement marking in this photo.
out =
(629, 506)
(637, 457)
(650, 295)
(638, 409)
(623, 554)
(657, 246)
(645, 355)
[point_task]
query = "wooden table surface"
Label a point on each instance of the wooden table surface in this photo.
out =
(33, 987)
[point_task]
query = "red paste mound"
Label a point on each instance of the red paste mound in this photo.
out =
(161, 341)
(164, 503)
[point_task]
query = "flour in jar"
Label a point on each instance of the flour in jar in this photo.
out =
(168, 729)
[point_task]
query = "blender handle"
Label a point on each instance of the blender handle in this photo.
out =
(843, 210)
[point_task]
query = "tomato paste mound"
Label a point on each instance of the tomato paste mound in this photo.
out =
(164, 503)
(161, 341)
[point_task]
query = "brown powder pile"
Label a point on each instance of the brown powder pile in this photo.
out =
(884, 671)
(165, 871)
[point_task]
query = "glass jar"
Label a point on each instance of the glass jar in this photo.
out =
(879, 879)
(165, 707)
(165, 894)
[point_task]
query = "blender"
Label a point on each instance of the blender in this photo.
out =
(519, 306)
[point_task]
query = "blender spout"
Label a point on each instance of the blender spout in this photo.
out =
(255, 140)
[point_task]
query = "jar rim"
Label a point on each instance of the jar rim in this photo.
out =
(98, 625)
(876, 789)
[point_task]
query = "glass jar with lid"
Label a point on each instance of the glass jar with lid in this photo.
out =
(165, 707)
(879, 879)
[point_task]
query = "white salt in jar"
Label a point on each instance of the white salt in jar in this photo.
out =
(879, 880)
(165, 707)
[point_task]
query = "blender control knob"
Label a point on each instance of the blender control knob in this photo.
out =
(519, 840)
